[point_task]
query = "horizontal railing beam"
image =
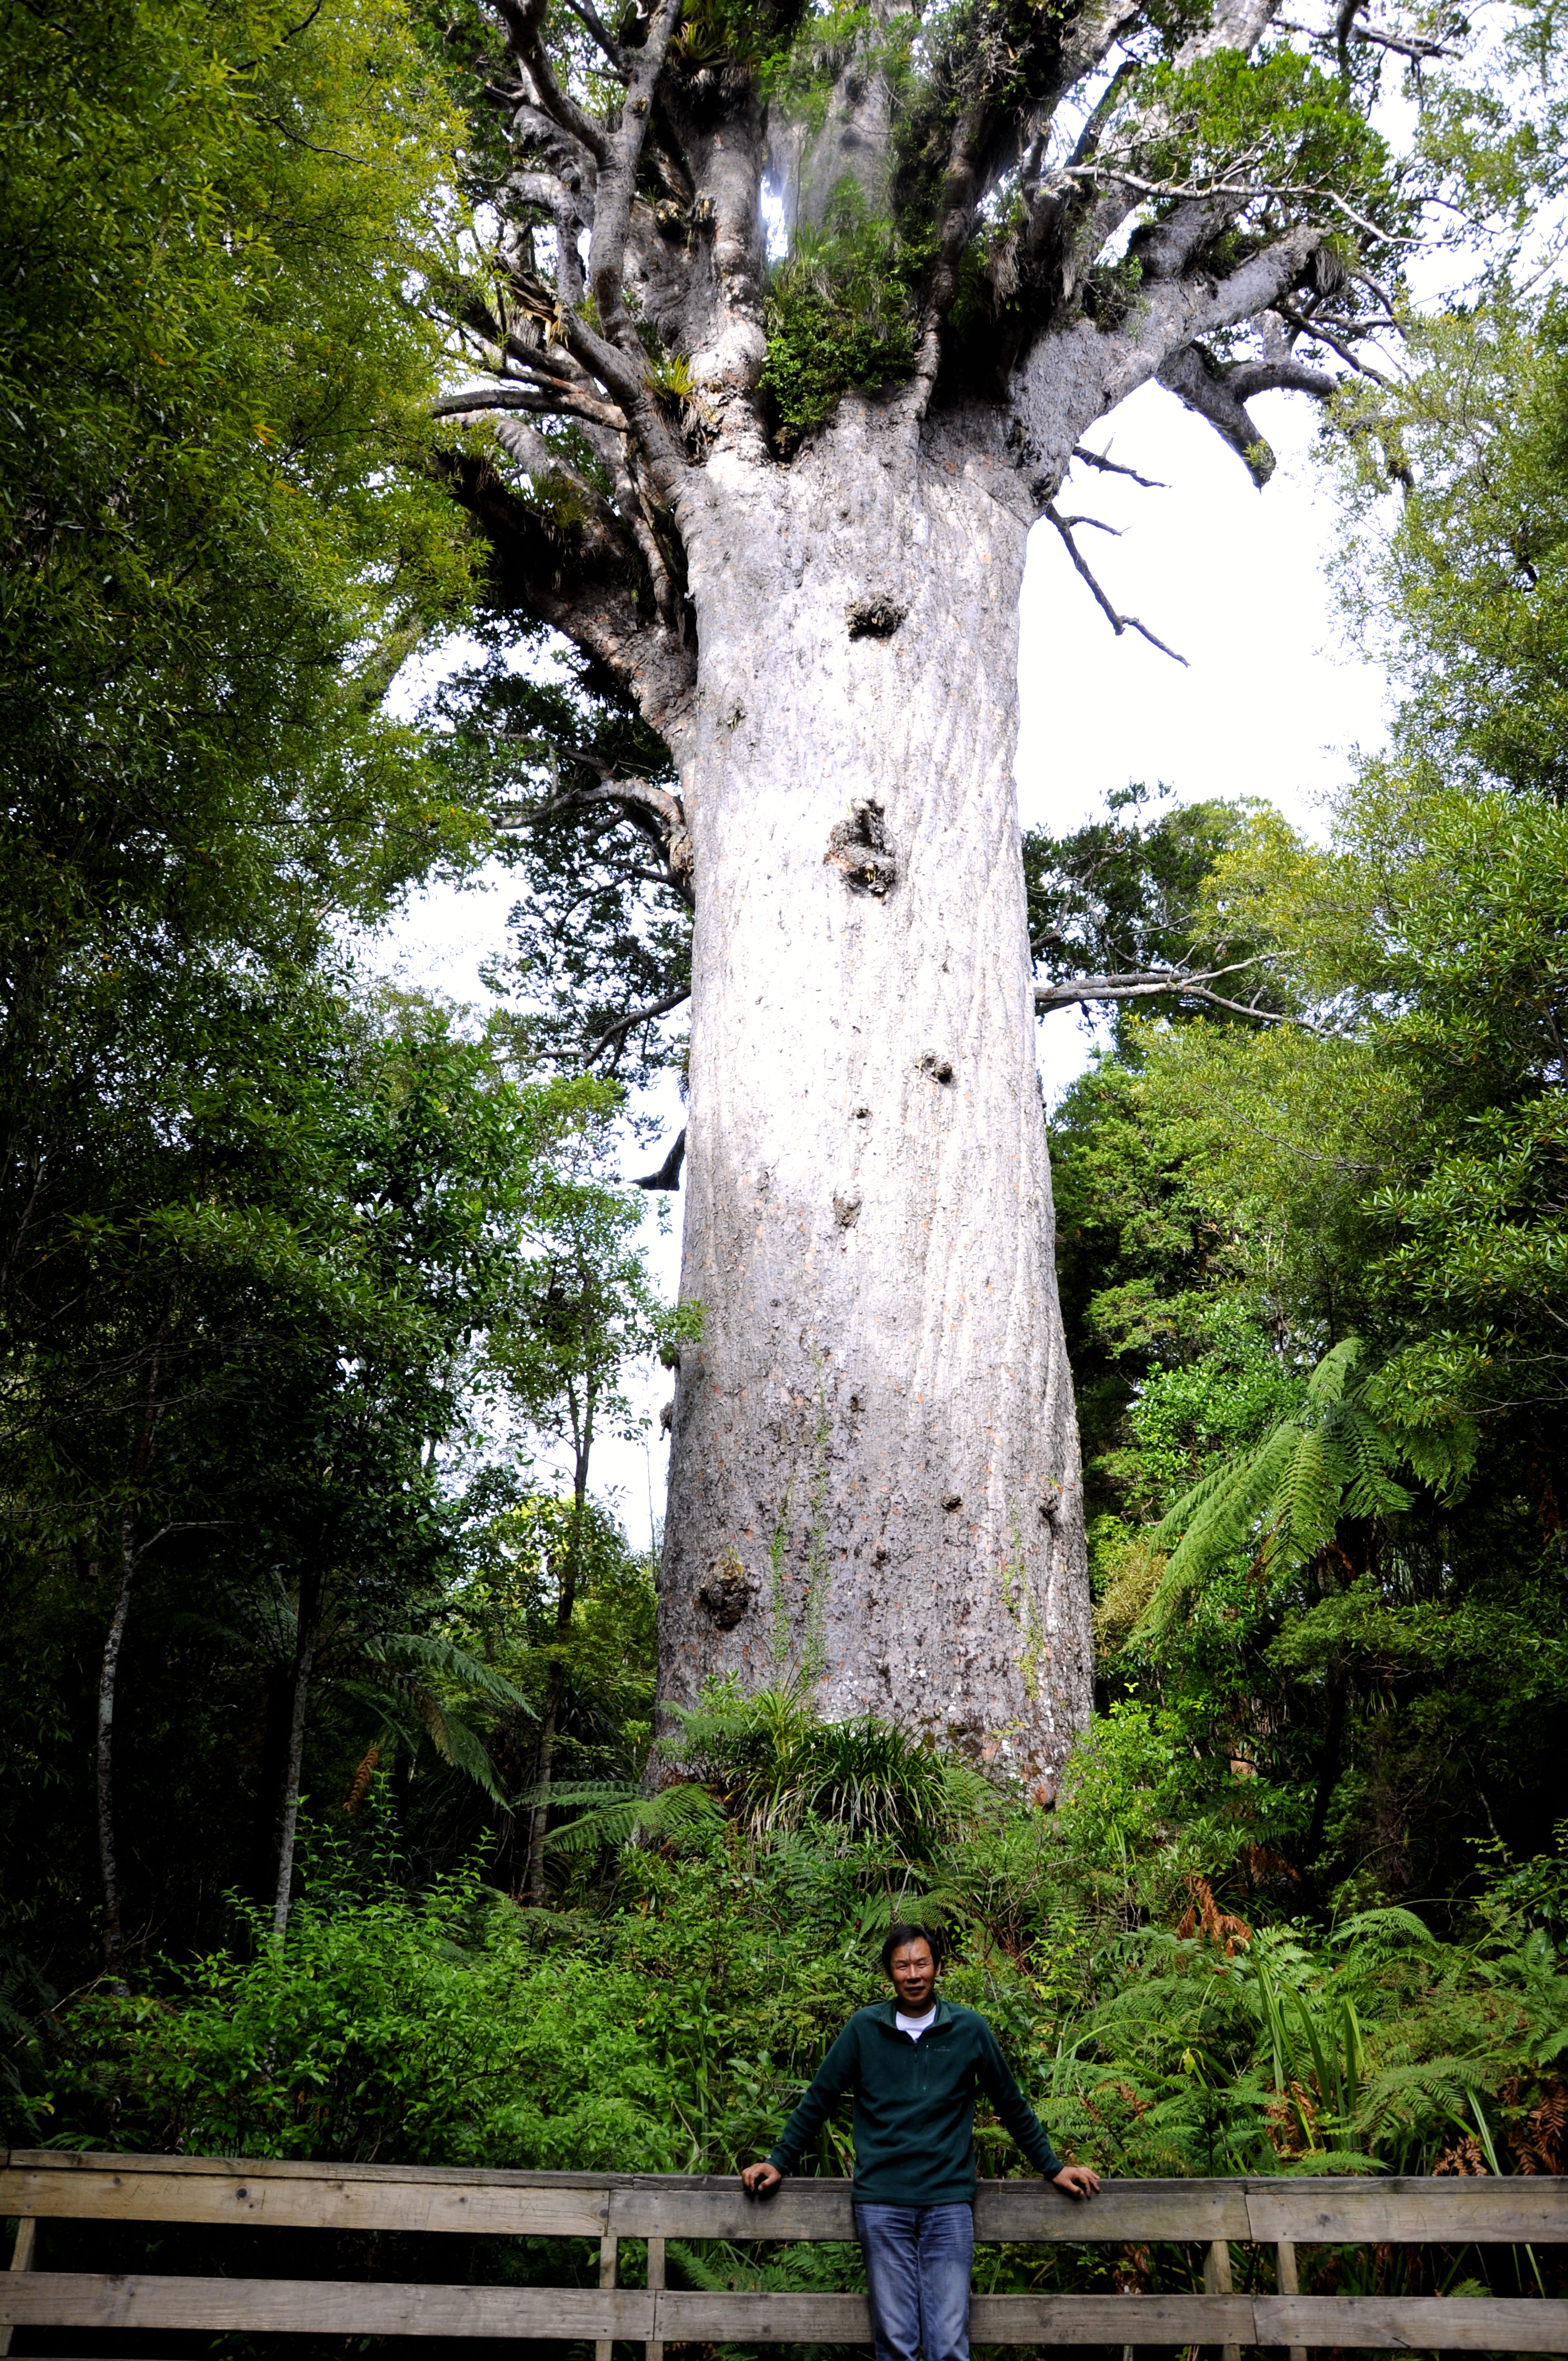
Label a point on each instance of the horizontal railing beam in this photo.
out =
(101, 2300)
(209, 2191)
(325, 2198)
(326, 2307)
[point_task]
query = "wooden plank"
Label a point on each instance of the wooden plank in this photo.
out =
(326, 2307)
(214, 2190)
(1409, 2212)
(653, 2350)
(607, 2279)
(776, 2319)
(762, 2318)
(796, 2209)
(1164, 2320)
(1029, 2211)
(21, 2260)
(268, 2168)
(93, 2300)
(1123, 2211)
(329, 2198)
(1419, 2323)
(1217, 2282)
(1287, 2282)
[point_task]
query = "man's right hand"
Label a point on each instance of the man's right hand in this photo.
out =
(756, 2180)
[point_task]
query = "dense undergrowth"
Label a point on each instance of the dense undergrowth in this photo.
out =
(662, 2013)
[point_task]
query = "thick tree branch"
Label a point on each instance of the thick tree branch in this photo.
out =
(592, 600)
(522, 19)
(666, 812)
(617, 1032)
(618, 178)
(1219, 395)
(551, 399)
(668, 1175)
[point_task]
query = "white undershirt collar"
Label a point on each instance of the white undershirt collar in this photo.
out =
(916, 2026)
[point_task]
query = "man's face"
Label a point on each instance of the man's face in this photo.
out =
(914, 1973)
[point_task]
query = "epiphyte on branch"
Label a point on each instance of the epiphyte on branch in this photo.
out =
(862, 851)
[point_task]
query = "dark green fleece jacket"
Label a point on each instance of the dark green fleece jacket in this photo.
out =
(915, 2106)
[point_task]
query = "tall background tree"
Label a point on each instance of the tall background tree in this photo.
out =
(772, 472)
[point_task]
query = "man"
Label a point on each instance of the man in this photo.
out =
(914, 2064)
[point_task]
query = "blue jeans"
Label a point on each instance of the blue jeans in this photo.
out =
(917, 2268)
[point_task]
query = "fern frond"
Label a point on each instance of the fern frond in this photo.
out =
(418, 1651)
(1176, 1521)
(1305, 1508)
(1330, 1378)
(615, 1814)
(1385, 1929)
(1225, 1524)
(1370, 1453)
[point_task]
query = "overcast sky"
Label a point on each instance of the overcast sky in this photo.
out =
(1270, 703)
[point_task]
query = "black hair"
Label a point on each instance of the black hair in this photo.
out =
(904, 1933)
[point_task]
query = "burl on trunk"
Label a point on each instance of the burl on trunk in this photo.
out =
(780, 502)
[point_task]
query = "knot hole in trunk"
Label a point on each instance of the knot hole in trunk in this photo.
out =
(874, 618)
(862, 851)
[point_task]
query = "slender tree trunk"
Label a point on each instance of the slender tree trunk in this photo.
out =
(544, 1766)
(109, 1673)
(874, 1480)
(270, 1781)
(308, 1630)
(108, 1678)
(1329, 1763)
(566, 1602)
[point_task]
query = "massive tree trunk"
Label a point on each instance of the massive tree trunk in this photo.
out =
(875, 1483)
(876, 1479)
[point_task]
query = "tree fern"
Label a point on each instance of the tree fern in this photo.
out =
(1286, 1499)
(389, 1670)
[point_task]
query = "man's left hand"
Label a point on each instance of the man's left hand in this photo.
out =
(1077, 2180)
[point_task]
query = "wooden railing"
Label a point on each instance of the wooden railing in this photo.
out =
(1275, 2216)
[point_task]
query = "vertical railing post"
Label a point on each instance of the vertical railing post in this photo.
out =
(21, 2260)
(607, 2279)
(1289, 2283)
(1217, 2282)
(655, 2350)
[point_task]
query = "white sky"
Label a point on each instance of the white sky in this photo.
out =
(1270, 705)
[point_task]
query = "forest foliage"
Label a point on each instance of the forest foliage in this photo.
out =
(303, 1279)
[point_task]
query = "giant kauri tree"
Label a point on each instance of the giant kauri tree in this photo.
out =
(793, 322)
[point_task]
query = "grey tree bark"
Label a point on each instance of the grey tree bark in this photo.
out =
(875, 1484)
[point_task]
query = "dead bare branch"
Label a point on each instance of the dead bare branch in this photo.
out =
(1114, 467)
(1118, 622)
